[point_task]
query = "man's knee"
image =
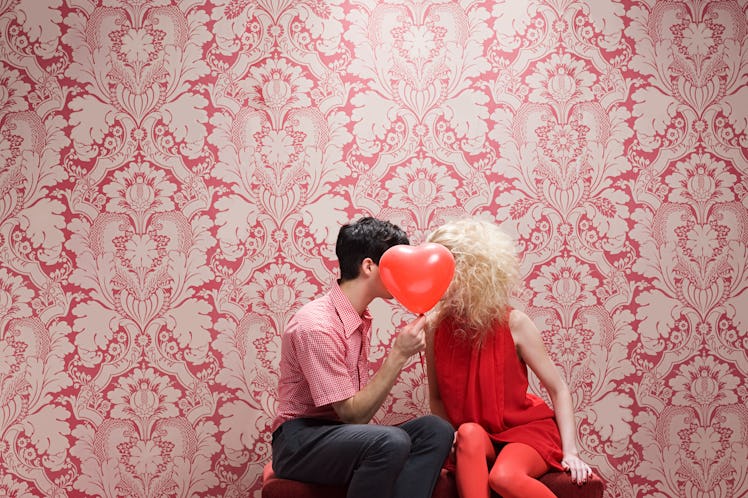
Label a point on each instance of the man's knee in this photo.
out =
(392, 443)
(438, 429)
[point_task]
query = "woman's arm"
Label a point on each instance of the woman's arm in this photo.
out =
(531, 349)
(435, 399)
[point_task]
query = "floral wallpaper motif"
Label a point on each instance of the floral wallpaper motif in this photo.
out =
(173, 175)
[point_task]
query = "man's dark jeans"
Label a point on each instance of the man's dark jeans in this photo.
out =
(375, 461)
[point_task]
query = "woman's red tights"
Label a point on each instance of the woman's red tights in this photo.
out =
(513, 473)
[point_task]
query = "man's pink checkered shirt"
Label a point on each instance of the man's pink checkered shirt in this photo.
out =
(324, 357)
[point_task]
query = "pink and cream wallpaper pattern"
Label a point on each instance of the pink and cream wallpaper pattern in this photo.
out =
(173, 175)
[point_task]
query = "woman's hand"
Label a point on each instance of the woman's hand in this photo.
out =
(580, 471)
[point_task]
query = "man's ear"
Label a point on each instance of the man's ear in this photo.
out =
(367, 265)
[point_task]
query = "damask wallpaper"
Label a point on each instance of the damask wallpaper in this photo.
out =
(173, 175)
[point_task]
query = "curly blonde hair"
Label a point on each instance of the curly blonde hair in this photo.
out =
(486, 271)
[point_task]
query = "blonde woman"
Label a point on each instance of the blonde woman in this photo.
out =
(478, 351)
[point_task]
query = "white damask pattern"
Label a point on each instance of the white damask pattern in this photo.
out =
(173, 174)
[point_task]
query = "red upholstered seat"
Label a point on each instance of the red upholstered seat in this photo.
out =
(559, 482)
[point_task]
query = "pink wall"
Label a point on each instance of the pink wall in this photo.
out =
(173, 175)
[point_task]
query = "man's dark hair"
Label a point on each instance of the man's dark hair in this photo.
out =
(366, 238)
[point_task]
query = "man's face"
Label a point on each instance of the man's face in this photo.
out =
(381, 289)
(377, 286)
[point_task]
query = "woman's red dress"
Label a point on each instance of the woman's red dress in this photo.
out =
(488, 385)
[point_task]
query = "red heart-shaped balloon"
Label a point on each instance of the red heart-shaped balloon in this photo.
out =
(417, 276)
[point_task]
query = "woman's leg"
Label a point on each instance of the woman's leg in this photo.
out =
(473, 452)
(515, 473)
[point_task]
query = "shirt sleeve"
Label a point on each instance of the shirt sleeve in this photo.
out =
(322, 359)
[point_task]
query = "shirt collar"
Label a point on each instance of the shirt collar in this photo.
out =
(352, 321)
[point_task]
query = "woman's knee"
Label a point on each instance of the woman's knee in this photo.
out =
(471, 430)
(501, 479)
(471, 437)
(515, 470)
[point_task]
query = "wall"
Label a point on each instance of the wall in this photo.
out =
(173, 176)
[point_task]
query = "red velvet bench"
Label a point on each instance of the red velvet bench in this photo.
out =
(558, 482)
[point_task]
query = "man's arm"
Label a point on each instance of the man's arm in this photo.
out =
(361, 407)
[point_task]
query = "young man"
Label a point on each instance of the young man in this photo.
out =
(326, 399)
